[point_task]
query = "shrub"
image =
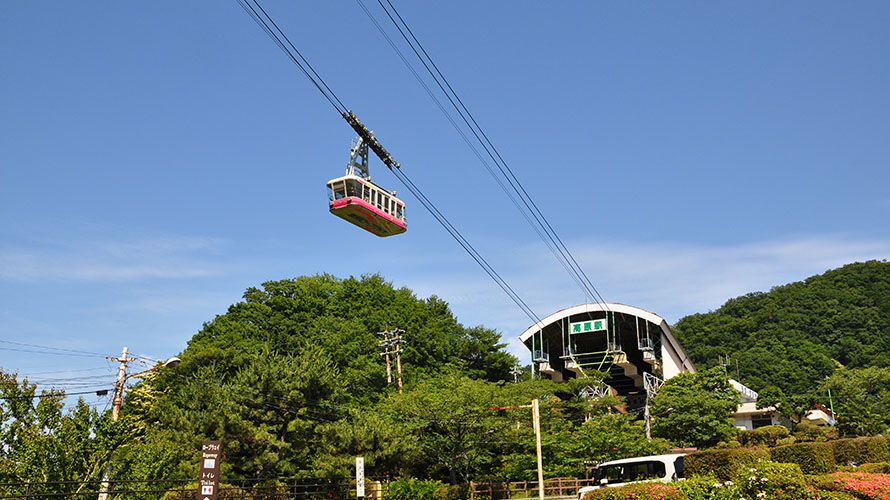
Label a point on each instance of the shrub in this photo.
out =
(860, 450)
(722, 464)
(875, 468)
(862, 485)
(763, 436)
(708, 488)
(807, 431)
(813, 458)
(782, 481)
(658, 491)
(413, 489)
(188, 492)
(452, 492)
(786, 441)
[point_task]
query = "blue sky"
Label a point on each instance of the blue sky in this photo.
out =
(158, 158)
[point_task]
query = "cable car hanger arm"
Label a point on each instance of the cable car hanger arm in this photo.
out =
(370, 140)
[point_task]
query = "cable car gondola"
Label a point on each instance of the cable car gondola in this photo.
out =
(354, 198)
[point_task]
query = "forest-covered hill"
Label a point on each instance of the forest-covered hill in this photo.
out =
(796, 335)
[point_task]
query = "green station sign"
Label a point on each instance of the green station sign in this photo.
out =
(593, 325)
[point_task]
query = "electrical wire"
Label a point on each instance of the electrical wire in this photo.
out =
(60, 395)
(62, 351)
(268, 25)
(264, 21)
(542, 227)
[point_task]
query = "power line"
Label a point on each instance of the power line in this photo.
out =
(278, 36)
(51, 348)
(63, 371)
(60, 395)
(265, 22)
(542, 227)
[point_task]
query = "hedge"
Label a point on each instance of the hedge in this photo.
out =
(189, 492)
(723, 464)
(452, 492)
(660, 491)
(861, 450)
(813, 458)
(763, 436)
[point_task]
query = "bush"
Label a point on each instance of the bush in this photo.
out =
(658, 491)
(875, 468)
(860, 450)
(413, 489)
(813, 458)
(226, 491)
(708, 488)
(722, 464)
(763, 436)
(772, 480)
(786, 441)
(859, 484)
(807, 431)
(452, 492)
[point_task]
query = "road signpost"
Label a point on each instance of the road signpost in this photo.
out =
(208, 483)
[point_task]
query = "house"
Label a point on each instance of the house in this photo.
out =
(747, 416)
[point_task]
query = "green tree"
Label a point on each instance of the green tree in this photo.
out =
(794, 407)
(456, 427)
(861, 400)
(41, 442)
(291, 377)
(694, 409)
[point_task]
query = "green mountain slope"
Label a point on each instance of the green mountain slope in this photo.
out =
(796, 335)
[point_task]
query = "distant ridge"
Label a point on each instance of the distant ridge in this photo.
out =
(796, 335)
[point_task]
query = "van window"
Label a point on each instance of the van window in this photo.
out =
(635, 471)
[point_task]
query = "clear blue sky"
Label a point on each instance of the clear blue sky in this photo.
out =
(158, 158)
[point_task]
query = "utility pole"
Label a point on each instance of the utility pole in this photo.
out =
(115, 412)
(385, 344)
(119, 383)
(516, 372)
(397, 343)
(392, 344)
(651, 383)
(116, 405)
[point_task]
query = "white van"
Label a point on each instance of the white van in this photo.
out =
(635, 470)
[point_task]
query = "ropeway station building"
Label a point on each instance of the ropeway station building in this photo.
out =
(630, 344)
(634, 346)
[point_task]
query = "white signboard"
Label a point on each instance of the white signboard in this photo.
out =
(359, 477)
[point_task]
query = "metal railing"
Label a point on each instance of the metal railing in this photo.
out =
(187, 489)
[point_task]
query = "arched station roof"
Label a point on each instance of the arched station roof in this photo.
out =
(670, 340)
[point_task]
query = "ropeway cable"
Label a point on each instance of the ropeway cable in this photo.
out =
(552, 239)
(262, 18)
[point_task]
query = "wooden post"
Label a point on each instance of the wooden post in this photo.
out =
(536, 416)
